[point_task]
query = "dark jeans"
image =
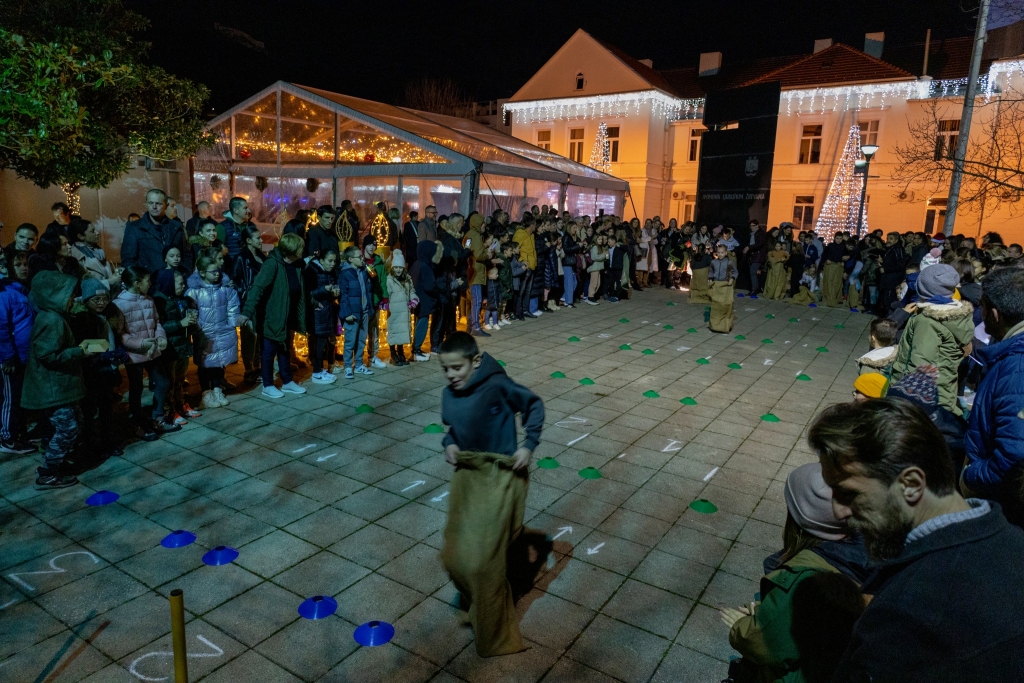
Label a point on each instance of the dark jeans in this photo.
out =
(98, 407)
(161, 384)
(283, 353)
(755, 279)
(210, 378)
(321, 349)
(422, 322)
(613, 283)
(12, 424)
(523, 297)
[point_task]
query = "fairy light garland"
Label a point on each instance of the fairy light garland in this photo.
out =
(842, 203)
(600, 106)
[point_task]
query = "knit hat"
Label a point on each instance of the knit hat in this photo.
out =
(872, 384)
(809, 501)
(920, 387)
(932, 258)
(91, 287)
(368, 239)
(397, 259)
(938, 280)
(717, 230)
(475, 221)
(939, 239)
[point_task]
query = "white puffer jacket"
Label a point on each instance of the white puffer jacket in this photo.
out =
(217, 345)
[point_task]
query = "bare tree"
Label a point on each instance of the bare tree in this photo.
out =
(438, 96)
(993, 175)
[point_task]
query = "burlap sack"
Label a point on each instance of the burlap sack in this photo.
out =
(486, 504)
(722, 297)
(699, 287)
(832, 285)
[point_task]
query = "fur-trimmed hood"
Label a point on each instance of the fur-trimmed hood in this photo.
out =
(879, 358)
(944, 312)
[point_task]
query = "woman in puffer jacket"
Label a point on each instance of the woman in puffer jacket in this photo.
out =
(216, 343)
(144, 338)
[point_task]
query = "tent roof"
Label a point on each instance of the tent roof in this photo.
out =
(463, 144)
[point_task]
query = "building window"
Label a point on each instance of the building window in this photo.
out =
(576, 144)
(544, 139)
(803, 212)
(946, 139)
(868, 133)
(935, 214)
(613, 143)
(695, 135)
(579, 81)
(688, 212)
(810, 144)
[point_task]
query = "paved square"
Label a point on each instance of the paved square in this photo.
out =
(320, 499)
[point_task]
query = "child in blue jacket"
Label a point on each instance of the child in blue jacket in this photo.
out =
(16, 317)
(355, 306)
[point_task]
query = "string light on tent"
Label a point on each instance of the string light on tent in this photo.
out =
(605, 106)
(842, 203)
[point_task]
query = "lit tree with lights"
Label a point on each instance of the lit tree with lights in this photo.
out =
(599, 156)
(839, 213)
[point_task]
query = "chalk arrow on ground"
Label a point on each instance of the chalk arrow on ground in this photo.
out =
(438, 499)
(596, 549)
(562, 530)
(672, 447)
(304, 448)
(326, 457)
(418, 482)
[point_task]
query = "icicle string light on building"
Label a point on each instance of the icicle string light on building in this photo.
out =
(597, 106)
(599, 155)
(839, 213)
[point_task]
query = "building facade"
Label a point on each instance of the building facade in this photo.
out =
(654, 122)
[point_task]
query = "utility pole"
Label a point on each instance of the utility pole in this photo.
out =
(965, 119)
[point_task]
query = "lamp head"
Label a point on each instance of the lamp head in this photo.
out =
(868, 151)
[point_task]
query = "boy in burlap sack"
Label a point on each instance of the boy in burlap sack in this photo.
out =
(722, 281)
(488, 489)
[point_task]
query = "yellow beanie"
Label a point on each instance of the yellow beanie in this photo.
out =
(872, 385)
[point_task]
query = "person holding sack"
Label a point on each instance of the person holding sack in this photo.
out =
(722, 282)
(488, 488)
(700, 261)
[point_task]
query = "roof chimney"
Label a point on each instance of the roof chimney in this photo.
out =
(822, 44)
(649, 63)
(710, 63)
(873, 43)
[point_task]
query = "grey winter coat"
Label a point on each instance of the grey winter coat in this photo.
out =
(216, 345)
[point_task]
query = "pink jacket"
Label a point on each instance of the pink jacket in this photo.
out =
(142, 322)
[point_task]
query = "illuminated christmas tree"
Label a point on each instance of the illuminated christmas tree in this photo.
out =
(599, 156)
(839, 213)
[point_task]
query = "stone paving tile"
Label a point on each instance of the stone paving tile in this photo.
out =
(316, 498)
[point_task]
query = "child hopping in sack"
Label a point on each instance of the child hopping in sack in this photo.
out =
(488, 488)
(722, 281)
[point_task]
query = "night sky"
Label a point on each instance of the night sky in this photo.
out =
(373, 49)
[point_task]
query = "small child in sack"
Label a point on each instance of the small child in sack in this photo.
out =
(506, 279)
(493, 299)
(402, 302)
(883, 348)
(722, 281)
(808, 293)
(488, 489)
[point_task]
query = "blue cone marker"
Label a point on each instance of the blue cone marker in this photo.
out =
(318, 607)
(222, 554)
(178, 539)
(102, 498)
(374, 633)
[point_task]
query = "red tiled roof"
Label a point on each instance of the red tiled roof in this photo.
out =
(948, 58)
(686, 83)
(647, 73)
(833, 66)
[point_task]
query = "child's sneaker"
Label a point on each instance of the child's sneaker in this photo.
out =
(272, 392)
(363, 370)
(322, 378)
(378, 363)
(421, 357)
(349, 374)
(221, 398)
(49, 480)
(17, 447)
(179, 420)
(191, 412)
(209, 400)
(337, 369)
(292, 388)
(592, 302)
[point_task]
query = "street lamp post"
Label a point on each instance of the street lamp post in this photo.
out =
(862, 166)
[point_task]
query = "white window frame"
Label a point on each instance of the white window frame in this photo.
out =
(575, 145)
(810, 149)
(693, 144)
(799, 201)
(949, 140)
(614, 146)
(543, 144)
(869, 137)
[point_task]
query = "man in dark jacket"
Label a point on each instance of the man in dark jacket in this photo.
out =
(320, 238)
(61, 220)
(947, 601)
(995, 430)
(229, 231)
(894, 270)
(410, 237)
(203, 210)
(756, 252)
(428, 292)
(145, 239)
(426, 230)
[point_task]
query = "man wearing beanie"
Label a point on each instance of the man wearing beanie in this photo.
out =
(939, 333)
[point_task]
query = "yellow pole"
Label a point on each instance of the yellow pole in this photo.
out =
(178, 636)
